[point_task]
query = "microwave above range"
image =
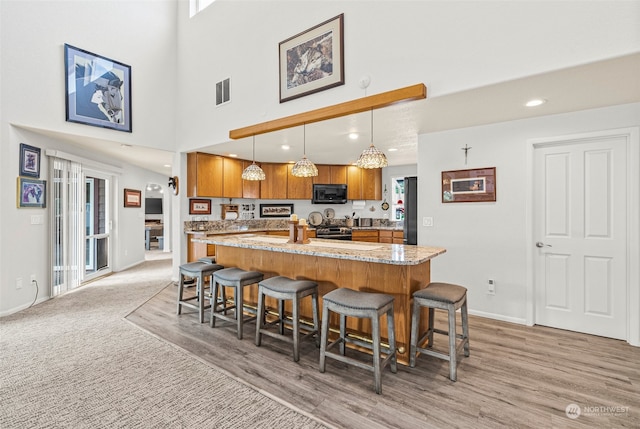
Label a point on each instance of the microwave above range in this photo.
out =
(329, 194)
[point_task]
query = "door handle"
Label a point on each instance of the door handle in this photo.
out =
(541, 244)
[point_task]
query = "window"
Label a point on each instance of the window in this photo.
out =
(196, 6)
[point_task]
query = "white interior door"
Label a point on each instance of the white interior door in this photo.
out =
(580, 225)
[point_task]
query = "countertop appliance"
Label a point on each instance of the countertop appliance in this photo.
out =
(334, 233)
(329, 194)
(410, 210)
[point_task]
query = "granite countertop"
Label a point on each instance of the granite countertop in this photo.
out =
(395, 254)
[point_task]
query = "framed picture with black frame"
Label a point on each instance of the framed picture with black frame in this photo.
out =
(313, 60)
(276, 210)
(29, 160)
(98, 90)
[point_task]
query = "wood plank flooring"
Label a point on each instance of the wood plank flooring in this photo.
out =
(516, 376)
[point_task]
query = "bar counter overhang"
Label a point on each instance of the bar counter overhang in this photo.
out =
(394, 269)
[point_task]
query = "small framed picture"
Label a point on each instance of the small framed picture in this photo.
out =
(132, 198)
(199, 207)
(276, 210)
(469, 186)
(98, 90)
(29, 160)
(312, 61)
(31, 193)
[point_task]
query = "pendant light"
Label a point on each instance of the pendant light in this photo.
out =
(304, 167)
(372, 157)
(253, 171)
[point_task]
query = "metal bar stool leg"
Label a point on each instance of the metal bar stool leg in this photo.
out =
(324, 336)
(453, 361)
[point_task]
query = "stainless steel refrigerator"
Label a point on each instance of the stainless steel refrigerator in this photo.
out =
(410, 210)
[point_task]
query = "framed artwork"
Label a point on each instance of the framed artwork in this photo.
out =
(312, 61)
(29, 160)
(98, 90)
(31, 193)
(276, 210)
(199, 207)
(469, 186)
(132, 198)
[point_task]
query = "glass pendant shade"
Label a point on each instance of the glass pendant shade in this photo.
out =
(253, 171)
(304, 167)
(371, 157)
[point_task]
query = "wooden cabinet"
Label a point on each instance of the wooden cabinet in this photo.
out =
(370, 235)
(364, 184)
(204, 175)
(354, 183)
(331, 174)
(196, 251)
(250, 188)
(274, 187)
(214, 176)
(298, 188)
(232, 178)
(390, 236)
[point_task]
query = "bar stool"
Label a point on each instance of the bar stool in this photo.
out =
(348, 302)
(237, 279)
(443, 296)
(208, 259)
(283, 288)
(197, 271)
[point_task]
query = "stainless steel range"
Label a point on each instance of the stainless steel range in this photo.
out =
(334, 232)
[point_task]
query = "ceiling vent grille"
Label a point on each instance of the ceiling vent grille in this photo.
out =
(223, 94)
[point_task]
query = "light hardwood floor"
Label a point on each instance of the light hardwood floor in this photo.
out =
(516, 376)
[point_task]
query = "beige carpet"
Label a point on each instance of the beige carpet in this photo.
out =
(74, 362)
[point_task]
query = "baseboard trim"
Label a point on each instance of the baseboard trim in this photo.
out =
(503, 318)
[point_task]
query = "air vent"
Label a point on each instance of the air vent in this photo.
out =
(223, 94)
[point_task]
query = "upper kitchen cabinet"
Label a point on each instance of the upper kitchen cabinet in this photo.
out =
(250, 188)
(331, 174)
(274, 187)
(364, 184)
(204, 175)
(232, 178)
(214, 176)
(298, 188)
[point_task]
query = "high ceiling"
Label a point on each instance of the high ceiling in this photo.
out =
(600, 84)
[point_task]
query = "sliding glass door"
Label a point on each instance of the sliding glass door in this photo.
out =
(81, 225)
(96, 225)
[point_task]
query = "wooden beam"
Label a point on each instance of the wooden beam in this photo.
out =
(377, 101)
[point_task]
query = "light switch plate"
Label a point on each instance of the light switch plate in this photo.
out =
(427, 221)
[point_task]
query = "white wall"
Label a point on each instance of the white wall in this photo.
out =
(487, 240)
(448, 45)
(29, 245)
(139, 33)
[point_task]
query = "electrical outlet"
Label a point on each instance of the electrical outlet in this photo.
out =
(491, 289)
(427, 221)
(19, 283)
(33, 278)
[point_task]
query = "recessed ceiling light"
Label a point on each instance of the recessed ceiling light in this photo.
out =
(124, 145)
(233, 155)
(285, 147)
(392, 149)
(353, 136)
(168, 165)
(535, 102)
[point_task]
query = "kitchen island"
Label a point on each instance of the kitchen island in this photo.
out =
(394, 269)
